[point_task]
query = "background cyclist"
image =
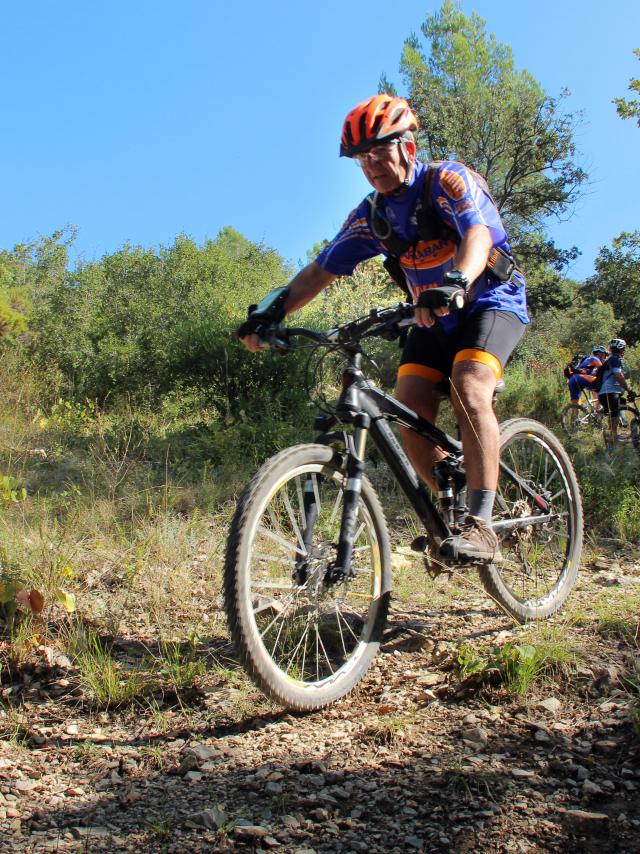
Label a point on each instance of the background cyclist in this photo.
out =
(448, 241)
(613, 384)
(586, 374)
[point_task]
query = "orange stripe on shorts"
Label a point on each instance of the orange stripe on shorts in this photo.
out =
(414, 370)
(482, 356)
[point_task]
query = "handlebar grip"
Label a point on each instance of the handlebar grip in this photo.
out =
(445, 296)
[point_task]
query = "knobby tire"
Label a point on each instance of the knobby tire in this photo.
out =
(305, 645)
(541, 561)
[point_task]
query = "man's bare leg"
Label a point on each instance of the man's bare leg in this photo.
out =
(417, 393)
(473, 385)
(472, 388)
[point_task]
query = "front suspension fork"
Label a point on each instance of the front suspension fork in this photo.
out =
(342, 568)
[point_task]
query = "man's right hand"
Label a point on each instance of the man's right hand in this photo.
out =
(249, 333)
(268, 312)
(253, 343)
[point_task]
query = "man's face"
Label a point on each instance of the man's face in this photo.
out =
(385, 167)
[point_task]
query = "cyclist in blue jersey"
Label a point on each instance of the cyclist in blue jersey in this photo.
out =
(586, 373)
(613, 384)
(441, 229)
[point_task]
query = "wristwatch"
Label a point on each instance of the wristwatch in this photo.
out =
(456, 279)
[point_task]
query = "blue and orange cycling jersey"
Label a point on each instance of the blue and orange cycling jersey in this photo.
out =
(589, 367)
(461, 203)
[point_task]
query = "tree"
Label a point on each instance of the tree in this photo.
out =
(617, 281)
(27, 272)
(475, 106)
(630, 109)
(143, 321)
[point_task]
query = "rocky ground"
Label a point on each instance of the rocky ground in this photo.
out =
(417, 759)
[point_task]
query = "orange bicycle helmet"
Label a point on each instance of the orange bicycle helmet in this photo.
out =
(377, 119)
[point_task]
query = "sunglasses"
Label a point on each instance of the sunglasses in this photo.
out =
(378, 152)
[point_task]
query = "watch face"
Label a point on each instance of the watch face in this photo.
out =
(458, 278)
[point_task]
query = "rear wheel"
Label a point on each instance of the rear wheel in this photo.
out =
(305, 642)
(541, 559)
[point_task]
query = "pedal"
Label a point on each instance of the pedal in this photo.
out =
(419, 544)
(436, 569)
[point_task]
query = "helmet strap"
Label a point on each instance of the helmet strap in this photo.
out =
(409, 164)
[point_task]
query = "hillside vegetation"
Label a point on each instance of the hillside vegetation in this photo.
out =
(131, 418)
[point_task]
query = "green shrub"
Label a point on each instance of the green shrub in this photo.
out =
(610, 494)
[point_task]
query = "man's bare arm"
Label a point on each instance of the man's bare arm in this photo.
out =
(473, 252)
(304, 286)
(471, 259)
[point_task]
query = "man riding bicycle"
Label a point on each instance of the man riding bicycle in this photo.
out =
(586, 373)
(613, 384)
(445, 244)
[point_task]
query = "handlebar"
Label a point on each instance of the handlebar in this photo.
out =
(380, 322)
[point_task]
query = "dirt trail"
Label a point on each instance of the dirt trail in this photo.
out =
(413, 761)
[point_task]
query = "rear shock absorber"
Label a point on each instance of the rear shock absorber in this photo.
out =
(444, 480)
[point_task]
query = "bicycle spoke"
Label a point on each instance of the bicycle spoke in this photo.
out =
(324, 651)
(273, 585)
(300, 494)
(336, 508)
(311, 631)
(303, 637)
(278, 539)
(347, 626)
(294, 524)
(344, 648)
(273, 559)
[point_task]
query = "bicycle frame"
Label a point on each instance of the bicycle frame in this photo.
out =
(370, 410)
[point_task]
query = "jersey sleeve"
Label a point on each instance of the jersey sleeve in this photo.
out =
(351, 245)
(589, 365)
(462, 202)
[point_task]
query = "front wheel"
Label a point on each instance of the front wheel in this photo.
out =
(634, 429)
(626, 418)
(576, 418)
(305, 642)
(541, 559)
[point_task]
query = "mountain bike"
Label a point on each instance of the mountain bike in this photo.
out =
(307, 577)
(582, 417)
(588, 417)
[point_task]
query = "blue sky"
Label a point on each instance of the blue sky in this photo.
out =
(140, 120)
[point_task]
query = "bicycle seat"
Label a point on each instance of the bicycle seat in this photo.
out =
(443, 388)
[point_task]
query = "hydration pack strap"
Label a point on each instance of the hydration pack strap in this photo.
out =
(501, 265)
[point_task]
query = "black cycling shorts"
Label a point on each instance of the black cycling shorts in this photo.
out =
(487, 336)
(610, 403)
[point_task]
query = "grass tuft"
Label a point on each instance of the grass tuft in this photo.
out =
(519, 666)
(100, 675)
